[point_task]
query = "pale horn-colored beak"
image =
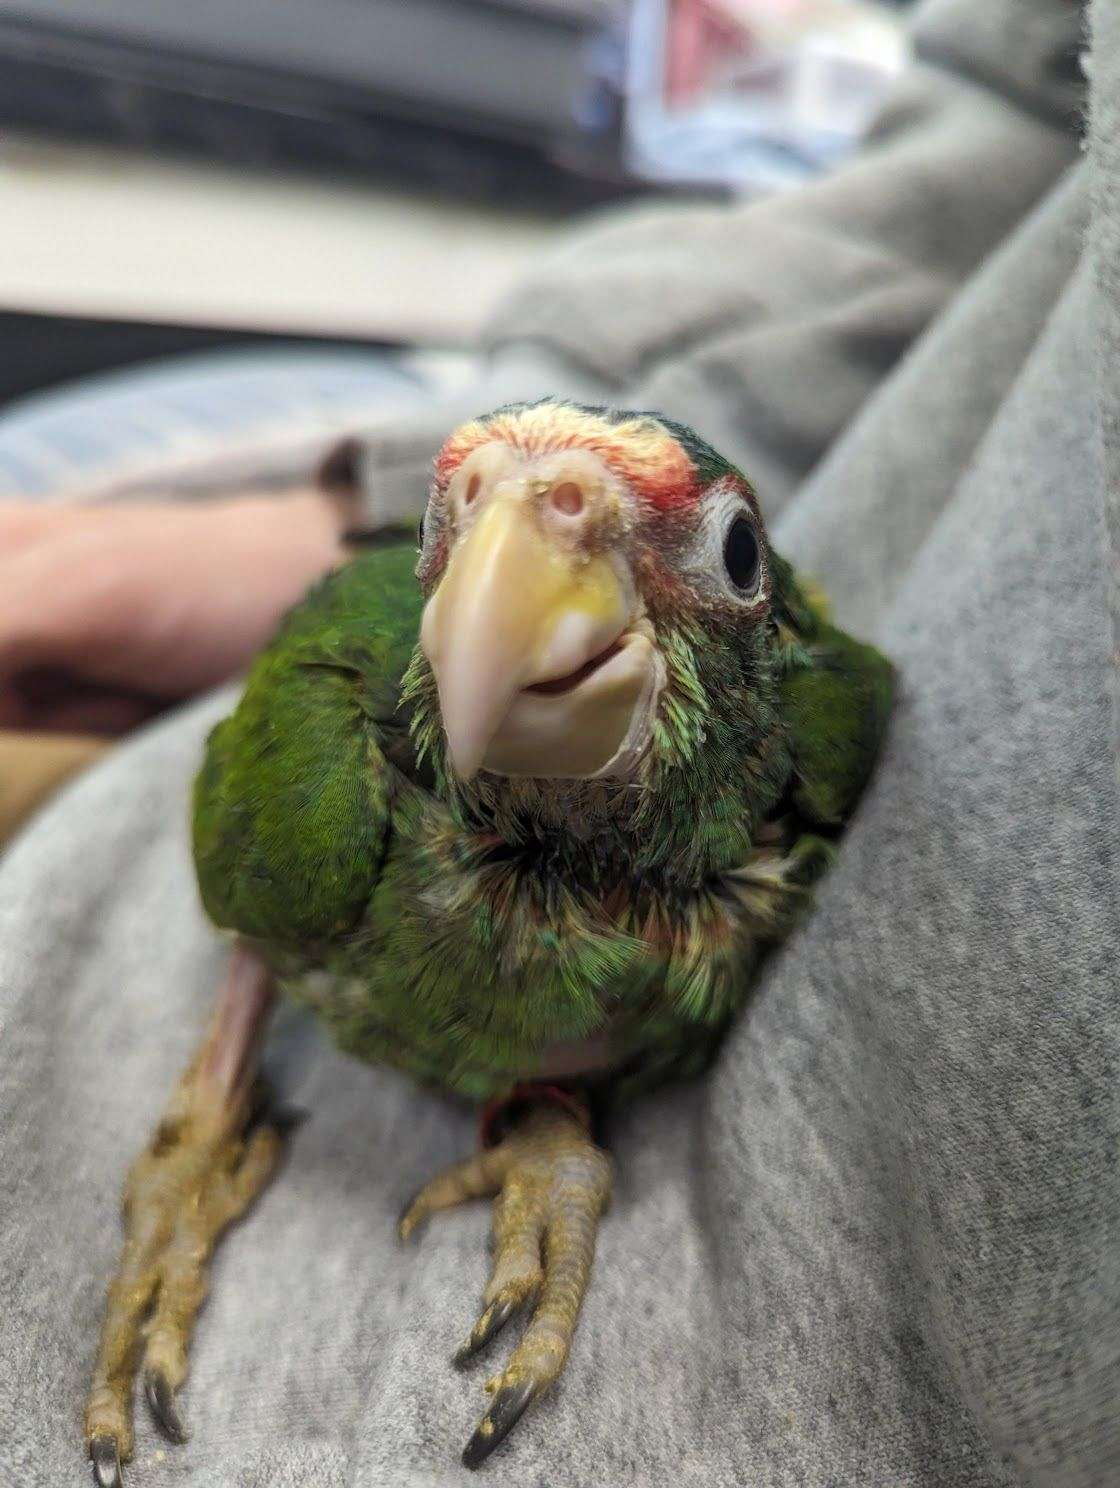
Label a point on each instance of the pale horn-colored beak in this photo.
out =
(517, 608)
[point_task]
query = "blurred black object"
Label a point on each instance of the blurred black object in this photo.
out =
(505, 98)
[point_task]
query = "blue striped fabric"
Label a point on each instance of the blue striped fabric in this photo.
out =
(194, 422)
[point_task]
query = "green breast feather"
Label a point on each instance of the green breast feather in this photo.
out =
(469, 962)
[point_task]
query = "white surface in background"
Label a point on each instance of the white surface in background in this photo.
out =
(101, 232)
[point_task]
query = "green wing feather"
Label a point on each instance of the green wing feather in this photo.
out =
(836, 695)
(292, 804)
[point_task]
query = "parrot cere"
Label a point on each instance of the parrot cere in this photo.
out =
(520, 821)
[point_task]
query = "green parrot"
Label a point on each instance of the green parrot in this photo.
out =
(519, 819)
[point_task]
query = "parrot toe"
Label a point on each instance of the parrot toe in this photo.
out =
(161, 1402)
(491, 1323)
(199, 1173)
(508, 1406)
(476, 1177)
(410, 1222)
(550, 1184)
(105, 1459)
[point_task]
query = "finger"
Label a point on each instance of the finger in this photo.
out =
(108, 601)
(165, 596)
(23, 522)
(85, 711)
(61, 606)
(106, 717)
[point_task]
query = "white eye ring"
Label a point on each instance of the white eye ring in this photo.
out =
(742, 555)
(711, 565)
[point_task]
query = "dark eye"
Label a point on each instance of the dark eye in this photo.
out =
(740, 554)
(420, 534)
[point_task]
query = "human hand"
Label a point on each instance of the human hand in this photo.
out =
(108, 613)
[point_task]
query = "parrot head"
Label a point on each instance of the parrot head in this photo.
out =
(602, 606)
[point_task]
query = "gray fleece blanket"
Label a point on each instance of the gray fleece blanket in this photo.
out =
(881, 1243)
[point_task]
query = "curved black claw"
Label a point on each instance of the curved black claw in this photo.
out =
(106, 1461)
(492, 1321)
(284, 1120)
(267, 1110)
(506, 1409)
(161, 1402)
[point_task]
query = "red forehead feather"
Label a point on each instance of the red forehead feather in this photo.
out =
(639, 450)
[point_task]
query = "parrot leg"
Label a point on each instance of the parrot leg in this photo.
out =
(551, 1184)
(209, 1158)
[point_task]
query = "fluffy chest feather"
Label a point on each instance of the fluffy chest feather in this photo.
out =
(479, 966)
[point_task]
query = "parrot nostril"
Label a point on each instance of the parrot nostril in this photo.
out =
(567, 498)
(473, 488)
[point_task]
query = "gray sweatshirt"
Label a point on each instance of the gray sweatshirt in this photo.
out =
(880, 1244)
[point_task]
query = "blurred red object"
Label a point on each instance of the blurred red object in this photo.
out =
(701, 35)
